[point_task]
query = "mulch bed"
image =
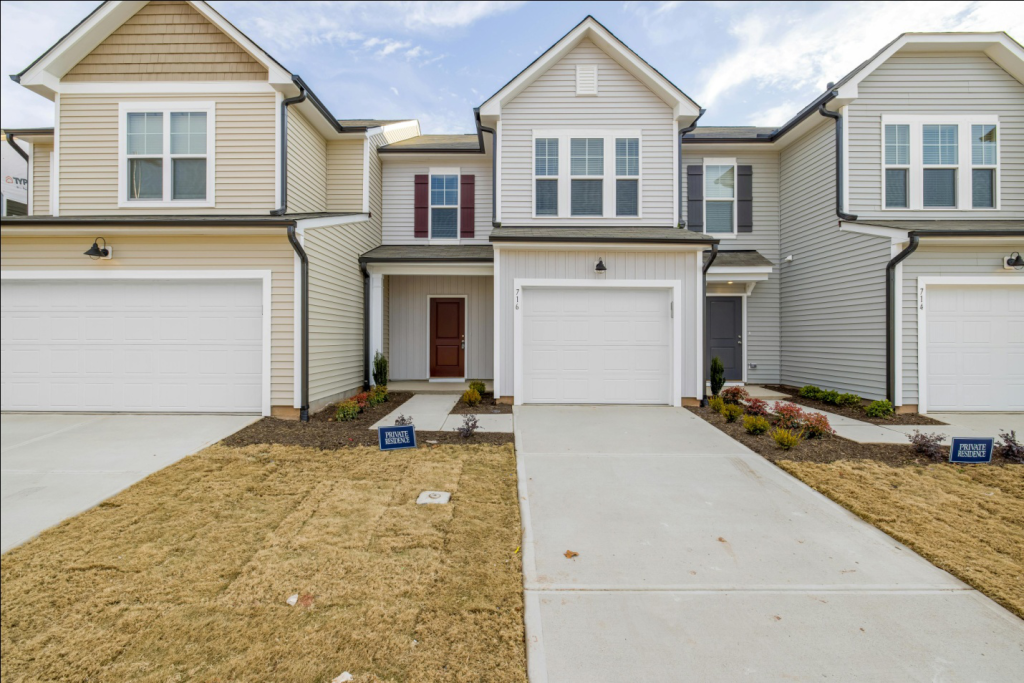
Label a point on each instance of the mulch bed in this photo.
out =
(821, 450)
(487, 406)
(855, 412)
(323, 432)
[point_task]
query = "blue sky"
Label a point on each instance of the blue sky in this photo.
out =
(747, 63)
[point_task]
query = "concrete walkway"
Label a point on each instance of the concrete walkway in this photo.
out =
(428, 412)
(701, 561)
(55, 466)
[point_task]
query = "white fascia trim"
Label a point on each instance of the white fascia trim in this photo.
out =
(329, 221)
(675, 286)
(463, 269)
(167, 88)
(922, 319)
(603, 246)
(265, 277)
(893, 234)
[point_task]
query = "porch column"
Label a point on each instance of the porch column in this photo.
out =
(376, 317)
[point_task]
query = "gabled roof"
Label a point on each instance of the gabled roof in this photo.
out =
(590, 28)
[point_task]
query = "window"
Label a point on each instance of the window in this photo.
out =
(586, 158)
(983, 166)
(166, 155)
(444, 206)
(719, 197)
(939, 154)
(897, 166)
(546, 176)
(627, 176)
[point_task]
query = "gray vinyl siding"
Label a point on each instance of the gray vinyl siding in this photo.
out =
(943, 260)
(398, 201)
(408, 308)
(926, 83)
(622, 265)
(833, 292)
(551, 102)
(763, 305)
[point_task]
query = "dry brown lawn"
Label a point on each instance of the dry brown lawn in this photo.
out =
(968, 520)
(185, 576)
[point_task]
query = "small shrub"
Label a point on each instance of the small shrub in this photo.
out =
(377, 395)
(848, 400)
(716, 403)
(880, 410)
(403, 421)
(735, 395)
(830, 396)
(478, 386)
(756, 424)
(347, 410)
(362, 400)
(380, 369)
(471, 397)
(1009, 448)
(811, 391)
(731, 412)
(468, 427)
(788, 415)
(757, 406)
(787, 439)
(929, 445)
(717, 376)
(817, 427)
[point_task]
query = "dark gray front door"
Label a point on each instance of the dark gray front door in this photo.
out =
(725, 334)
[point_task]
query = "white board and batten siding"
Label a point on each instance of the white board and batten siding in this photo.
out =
(622, 102)
(833, 291)
(931, 84)
(677, 266)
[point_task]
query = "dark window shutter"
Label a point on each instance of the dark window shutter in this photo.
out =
(467, 206)
(745, 199)
(695, 198)
(421, 200)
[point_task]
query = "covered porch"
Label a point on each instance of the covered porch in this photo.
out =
(430, 312)
(731, 281)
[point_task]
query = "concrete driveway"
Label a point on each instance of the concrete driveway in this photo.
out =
(701, 561)
(55, 466)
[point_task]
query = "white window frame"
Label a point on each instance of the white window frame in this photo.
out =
(971, 167)
(564, 136)
(904, 167)
(638, 177)
(166, 108)
(558, 184)
(443, 170)
(964, 166)
(721, 161)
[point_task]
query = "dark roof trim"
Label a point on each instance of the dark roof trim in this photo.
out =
(17, 77)
(440, 259)
(322, 108)
(160, 221)
(28, 132)
(603, 240)
(811, 108)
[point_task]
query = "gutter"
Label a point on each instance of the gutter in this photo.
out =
(679, 190)
(366, 322)
(480, 130)
(704, 311)
(301, 97)
(304, 303)
(24, 155)
(838, 118)
(890, 318)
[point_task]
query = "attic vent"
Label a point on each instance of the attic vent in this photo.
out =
(586, 79)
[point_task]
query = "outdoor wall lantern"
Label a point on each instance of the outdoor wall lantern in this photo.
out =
(97, 252)
(1013, 261)
(600, 267)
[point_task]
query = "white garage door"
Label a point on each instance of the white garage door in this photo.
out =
(132, 345)
(975, 347)
(594, 345)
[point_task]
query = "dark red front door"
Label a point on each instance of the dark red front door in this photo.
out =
(447, 337)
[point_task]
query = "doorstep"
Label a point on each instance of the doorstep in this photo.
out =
(424, 386)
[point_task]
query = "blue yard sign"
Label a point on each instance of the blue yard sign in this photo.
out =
(393, 438)
(971, 450)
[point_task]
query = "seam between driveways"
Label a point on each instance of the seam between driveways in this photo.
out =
(48, 435)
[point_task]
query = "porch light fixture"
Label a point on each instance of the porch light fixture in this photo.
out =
(600, 267)
(98, 252)
(1014, 261)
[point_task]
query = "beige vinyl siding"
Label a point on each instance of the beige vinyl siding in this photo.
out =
(409, 310)
(958, 84)
(186, 252)
(40, 182)
(399, 184)
(833, 292)
(622, 102)
(622, 265)
(245, 153)
(763, 305)
(978, 260)
(307, 166)
(167, 41)
(344, 174)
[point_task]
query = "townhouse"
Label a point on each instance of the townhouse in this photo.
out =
(590, 242)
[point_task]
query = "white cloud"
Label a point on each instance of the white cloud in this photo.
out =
(775, 116)
(394, 90)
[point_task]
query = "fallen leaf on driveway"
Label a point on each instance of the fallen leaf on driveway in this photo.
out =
(569, 554)
(722, 540)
